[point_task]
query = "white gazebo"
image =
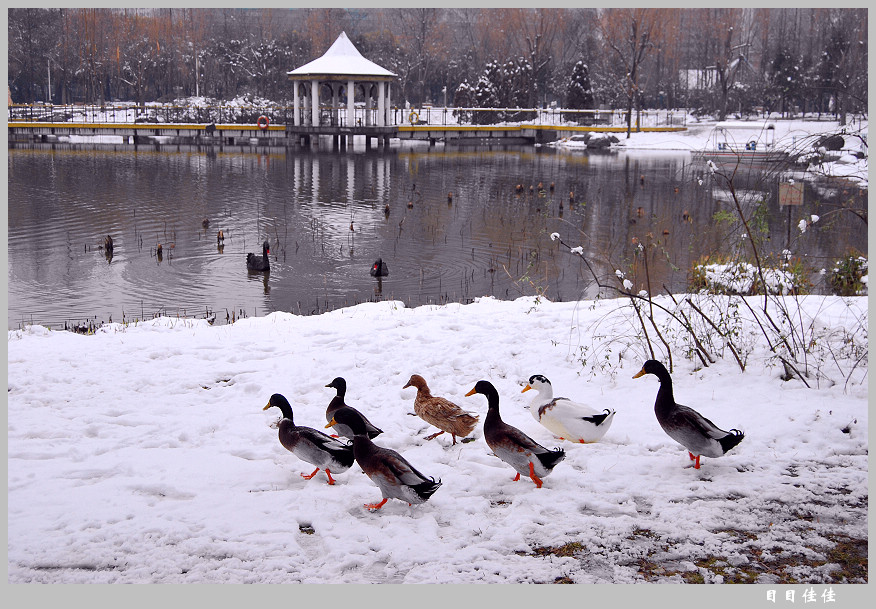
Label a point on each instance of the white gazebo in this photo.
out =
(340, 73)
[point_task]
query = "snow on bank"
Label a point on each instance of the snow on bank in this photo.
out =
(142, 454)
(792, 135)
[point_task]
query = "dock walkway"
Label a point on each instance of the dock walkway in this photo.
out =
(290, 136)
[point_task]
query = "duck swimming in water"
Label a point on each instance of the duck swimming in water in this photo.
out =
(259, 263)
(379, 268)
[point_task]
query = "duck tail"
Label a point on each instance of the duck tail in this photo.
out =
(731, 439)
(550, 459)
(598, 419)
(466, 424)
(344, 455)
(425, 489)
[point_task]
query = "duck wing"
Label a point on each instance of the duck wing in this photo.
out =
(686, 417)
(403, 471)
(445, 415)
(517, 449)
(391, 473)
(315, 447)
(508, 437)
(564, 408)
(320, 442)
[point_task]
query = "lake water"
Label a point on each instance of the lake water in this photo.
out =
(323, 213)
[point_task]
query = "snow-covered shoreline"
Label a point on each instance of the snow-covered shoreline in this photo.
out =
(795, 136)
(142, 454)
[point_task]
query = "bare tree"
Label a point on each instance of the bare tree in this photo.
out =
(630, 34)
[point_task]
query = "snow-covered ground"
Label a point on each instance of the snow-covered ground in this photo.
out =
(142, 454)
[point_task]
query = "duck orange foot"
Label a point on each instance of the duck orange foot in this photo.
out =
(329, 474)
(306, 477)
(532, 475)
(376, 506)
(697, 459)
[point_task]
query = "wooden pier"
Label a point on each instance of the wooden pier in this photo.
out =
(301, 135)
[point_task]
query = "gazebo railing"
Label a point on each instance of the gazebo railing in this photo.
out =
(279, 114)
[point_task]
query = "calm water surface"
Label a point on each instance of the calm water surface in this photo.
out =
(323, 213)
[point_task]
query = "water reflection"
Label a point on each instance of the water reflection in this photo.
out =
(452, 224)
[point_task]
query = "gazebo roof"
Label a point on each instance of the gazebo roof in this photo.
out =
(341, 60)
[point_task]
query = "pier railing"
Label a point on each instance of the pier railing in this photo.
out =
(335, 116)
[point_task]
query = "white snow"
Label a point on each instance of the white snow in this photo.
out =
(142, 453)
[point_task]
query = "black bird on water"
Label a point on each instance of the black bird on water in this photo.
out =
(379, 268)
(259, 263)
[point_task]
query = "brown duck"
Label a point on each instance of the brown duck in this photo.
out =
(440, 412)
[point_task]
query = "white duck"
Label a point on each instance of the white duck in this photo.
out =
(569, 420)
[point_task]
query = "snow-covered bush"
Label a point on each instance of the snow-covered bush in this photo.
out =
(849, 276)
(724, 276)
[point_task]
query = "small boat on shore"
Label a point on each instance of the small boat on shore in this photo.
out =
(740, 142)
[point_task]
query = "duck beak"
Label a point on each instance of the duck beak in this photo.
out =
(406, 386)
(331, 423)
(525, 389)
(472, 392)
(266, 407)
(639, 373)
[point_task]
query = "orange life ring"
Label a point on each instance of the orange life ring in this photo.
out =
(263, 122)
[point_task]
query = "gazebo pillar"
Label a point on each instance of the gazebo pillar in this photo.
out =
(388, 106)
(296, 119)
(351, 109)
(368, 105)
(314, 102)
(381, 105)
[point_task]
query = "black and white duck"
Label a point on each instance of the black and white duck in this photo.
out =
(685, 425)
(311, 445)
(340, 385)
(568, 419)
(393, 475)
(258, 263)
(513, 446)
